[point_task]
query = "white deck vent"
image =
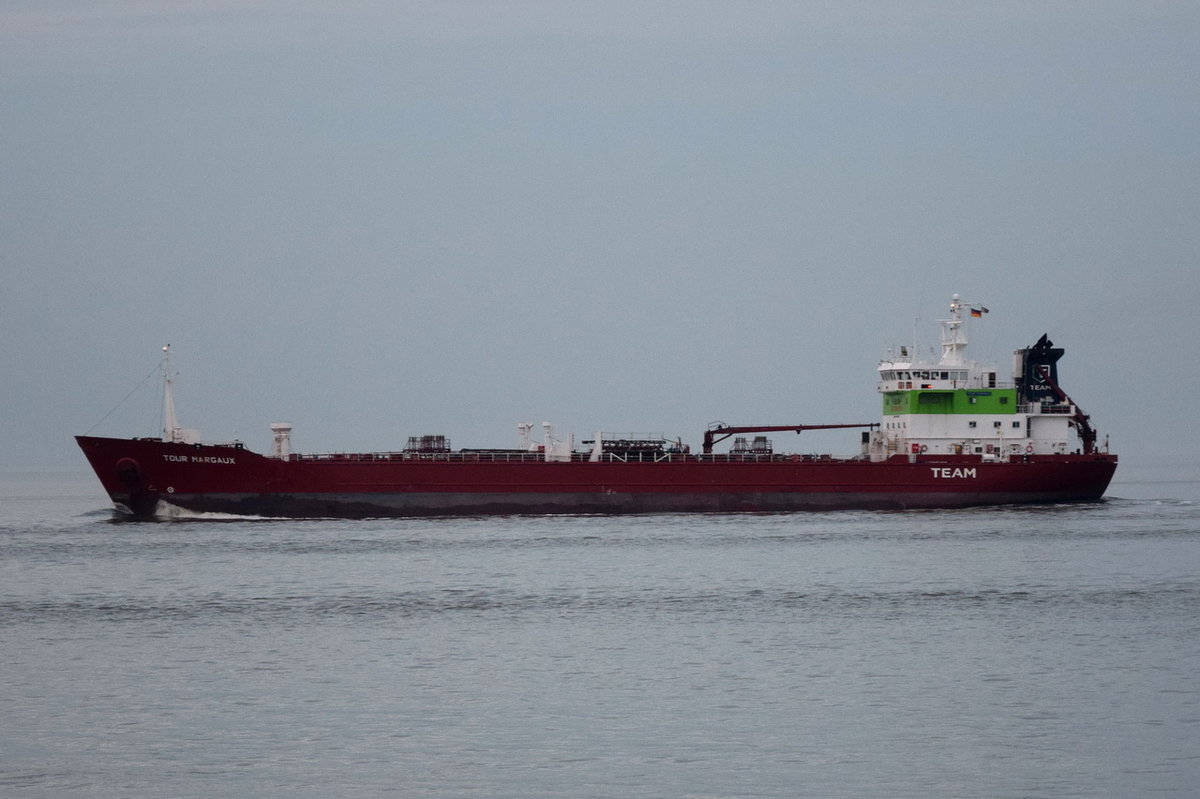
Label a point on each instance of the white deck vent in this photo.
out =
(555, 449)
(282, 431)
(525, 437)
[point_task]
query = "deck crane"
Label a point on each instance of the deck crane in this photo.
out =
(720, 432)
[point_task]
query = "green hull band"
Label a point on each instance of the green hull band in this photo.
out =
(961, 401)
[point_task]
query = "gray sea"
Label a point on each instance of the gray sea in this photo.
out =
(1031, 652)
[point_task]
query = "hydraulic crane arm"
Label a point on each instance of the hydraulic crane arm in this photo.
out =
(1082, 422)
(722, 432)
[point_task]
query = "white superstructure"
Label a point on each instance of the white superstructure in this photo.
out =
(956, 406)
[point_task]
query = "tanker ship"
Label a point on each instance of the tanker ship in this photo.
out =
(952, 434)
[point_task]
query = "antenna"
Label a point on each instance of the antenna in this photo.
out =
(915, 348)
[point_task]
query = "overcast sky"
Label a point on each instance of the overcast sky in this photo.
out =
(382, 219)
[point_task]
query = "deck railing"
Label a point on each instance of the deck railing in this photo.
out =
(538, 457)
(1047, 408)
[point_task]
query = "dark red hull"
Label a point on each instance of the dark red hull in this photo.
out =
(140, 474)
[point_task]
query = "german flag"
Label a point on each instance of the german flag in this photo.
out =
(978, 312)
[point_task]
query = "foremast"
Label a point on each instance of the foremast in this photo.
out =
(172, 433)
